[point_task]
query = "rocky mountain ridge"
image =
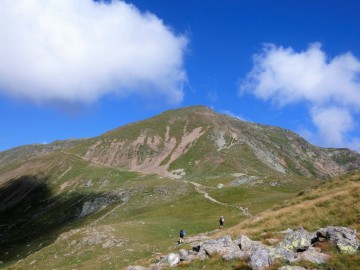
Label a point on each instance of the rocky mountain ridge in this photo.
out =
(196, 140)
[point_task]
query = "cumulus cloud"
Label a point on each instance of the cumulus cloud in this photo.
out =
(79, 50)
(332, 123)
(330, 87)
(233, 115)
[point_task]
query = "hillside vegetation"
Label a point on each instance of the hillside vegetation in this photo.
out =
(334, 203)
(109, 201)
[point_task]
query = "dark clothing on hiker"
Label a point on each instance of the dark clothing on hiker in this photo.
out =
(182, 234)
(221, 222)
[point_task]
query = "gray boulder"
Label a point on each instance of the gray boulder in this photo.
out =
(183, 254)
(314, 255)
(283, 254)
(260, 258)
(173, 259)
(187, 256)
(221, 246)
(242, 255)
(246, 244)
(296, 241)
(344, 238)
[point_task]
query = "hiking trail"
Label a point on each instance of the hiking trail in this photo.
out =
(202, 190)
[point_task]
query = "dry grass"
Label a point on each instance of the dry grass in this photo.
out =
(335, 203)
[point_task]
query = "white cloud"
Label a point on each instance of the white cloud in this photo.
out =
(79, 50)
(332, 123)
(330, 87)
(233, 115)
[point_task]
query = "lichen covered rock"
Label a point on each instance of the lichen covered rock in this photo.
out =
(299, 240)
(344, 238)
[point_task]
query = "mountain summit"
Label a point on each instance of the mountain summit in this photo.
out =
(198, 142)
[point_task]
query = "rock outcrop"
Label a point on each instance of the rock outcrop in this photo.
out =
(296, 246)
(344, 238)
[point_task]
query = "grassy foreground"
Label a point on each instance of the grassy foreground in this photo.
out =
(334, 203)
(148, 223)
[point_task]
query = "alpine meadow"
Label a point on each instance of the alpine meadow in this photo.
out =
(120, 199)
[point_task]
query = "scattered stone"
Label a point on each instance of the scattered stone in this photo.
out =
(260, 258)
(187, 256)
(88, 183)
(313, 255)
(183, 254)
(220, 246)
(283, 255)
(136, 267)
(173, 259)
(245, 244)
(90, 237)
(288, 267)
(296, 246)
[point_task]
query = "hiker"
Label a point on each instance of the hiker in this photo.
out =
(221, 222)
(182, 235)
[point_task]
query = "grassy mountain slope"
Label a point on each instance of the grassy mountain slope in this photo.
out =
(104, 210)
(26, 152)
(108, 201)
(197, 142)
(333, 203)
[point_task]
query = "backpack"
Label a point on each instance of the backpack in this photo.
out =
(182, 232)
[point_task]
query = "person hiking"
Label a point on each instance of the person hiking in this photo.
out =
(221, 222)
(182, 235)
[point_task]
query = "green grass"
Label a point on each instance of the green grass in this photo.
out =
(157, 208)
(148, 226)
(148, 229)
(334, 203)
(148, 223)
(262, 197)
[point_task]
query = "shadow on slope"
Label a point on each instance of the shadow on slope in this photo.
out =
(31, 217)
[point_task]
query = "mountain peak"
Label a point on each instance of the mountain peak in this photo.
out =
(196, 141)
(198, 109)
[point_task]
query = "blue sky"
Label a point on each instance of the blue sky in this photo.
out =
(78, 68)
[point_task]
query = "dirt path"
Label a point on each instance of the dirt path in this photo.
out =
(202, 189)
